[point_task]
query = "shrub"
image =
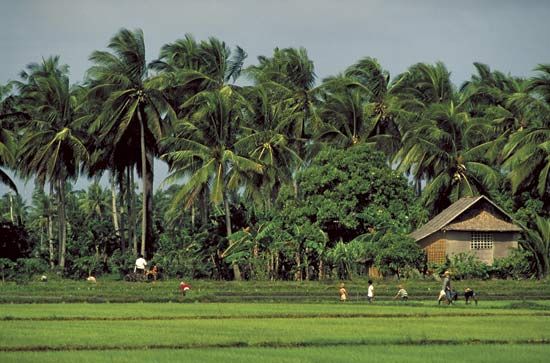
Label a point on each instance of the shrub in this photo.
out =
(395, 253)
(467, 266)
(26, 267)
(121, 263)
(516, 265)
(7, 268)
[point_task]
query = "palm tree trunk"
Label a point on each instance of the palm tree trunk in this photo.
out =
(50, 240)
(204, 207)
(193, 218)
(131, 211)
(144, 187)
(11, 208)
(298, 274)
(123, 215)
(62, 223)
(114, 210)
(149, 200)
(235, 266)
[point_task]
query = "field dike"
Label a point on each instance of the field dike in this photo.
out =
(275, 344)
(277, 316)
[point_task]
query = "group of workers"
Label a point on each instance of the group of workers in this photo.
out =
(140, 267)
(446, 294)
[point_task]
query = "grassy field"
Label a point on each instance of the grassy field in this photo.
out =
(308, 330)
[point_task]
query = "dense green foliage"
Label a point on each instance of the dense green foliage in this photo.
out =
(285, 177)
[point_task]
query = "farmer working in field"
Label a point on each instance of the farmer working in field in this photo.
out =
(446, 289)
(140, 264)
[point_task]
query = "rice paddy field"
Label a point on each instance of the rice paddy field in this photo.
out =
(113, 321)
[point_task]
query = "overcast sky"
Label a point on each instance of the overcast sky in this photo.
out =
(510, 36)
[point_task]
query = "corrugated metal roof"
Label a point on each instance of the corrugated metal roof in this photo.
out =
(450, 213)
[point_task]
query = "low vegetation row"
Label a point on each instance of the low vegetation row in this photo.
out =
(422, 353)
(105, 290)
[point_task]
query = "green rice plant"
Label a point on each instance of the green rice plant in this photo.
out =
(272, 332)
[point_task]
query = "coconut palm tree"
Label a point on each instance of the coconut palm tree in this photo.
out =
(132, 120)
(342, 110)
(52, 148)
(42, 215)
(289, 78)
(424, 84)
(526, 155)
(362, 104)
(15, 209)
(538, 242)
(446, 149)
(94, 202)
(263, 139)
(186, 68)
(203, 152)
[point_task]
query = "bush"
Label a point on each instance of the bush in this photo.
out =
(395, 253)
(468, 266)
(121, 263)
(15, 242)
(26, 267)
(7, 268)
(516, 265)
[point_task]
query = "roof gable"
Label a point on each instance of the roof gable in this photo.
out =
(450, 214)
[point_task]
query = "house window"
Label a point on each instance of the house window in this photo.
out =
(481, 241)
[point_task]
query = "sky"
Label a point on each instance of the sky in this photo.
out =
(511, 36)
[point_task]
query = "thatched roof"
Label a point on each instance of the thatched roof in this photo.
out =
(460, 216)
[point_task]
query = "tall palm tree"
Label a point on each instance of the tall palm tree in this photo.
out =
(446, 149)
(15, 209)
(362, 105)
(527, 153)
(203, 152)
(52, 149)
(263, 139)
(94, 202)
(187, 68)
(289, 77)
(42, 215)
(342, 111)
(132, 120)
(424, 84)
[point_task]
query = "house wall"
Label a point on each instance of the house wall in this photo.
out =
(455, 242)
(435, 246)
(505, 242)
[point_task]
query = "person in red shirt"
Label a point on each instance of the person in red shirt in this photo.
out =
(184, 287)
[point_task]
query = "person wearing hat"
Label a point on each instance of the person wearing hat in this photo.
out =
(446, 288)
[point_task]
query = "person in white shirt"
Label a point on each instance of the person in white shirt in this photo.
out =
(370, 292)
(140, 264)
